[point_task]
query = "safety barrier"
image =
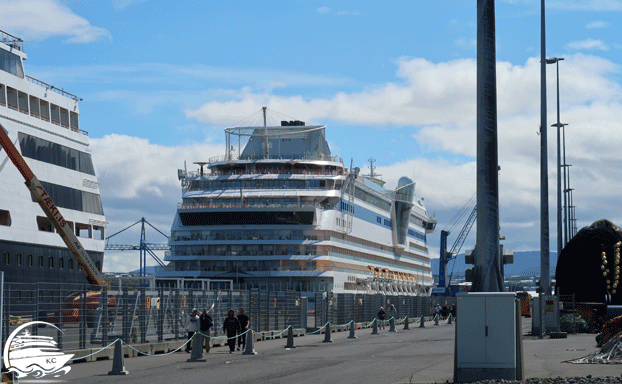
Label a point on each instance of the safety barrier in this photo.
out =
(119, 345)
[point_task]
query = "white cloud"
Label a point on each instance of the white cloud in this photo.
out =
(118, 5)
(597, 24)
(324, 10)
(466, 43)
(588, 44)
(40, 19)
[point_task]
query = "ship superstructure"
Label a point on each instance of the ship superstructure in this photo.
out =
(278, 211)
(43, 123)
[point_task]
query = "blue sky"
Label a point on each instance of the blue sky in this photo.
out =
(160, 80)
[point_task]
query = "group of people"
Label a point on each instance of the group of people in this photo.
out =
(444, 311)
(234, 326)
(388, 314)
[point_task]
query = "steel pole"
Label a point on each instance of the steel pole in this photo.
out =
(544, 184)
(559, 173)
(566, 238)
(487, 272)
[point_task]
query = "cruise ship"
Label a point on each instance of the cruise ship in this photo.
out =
(42, 121)
(279, 212)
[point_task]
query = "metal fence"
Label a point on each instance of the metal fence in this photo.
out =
(84, 316)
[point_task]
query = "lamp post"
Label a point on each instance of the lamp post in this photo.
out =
(556, 60)
(566, 235)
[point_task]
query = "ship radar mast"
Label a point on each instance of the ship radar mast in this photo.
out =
(265, 133)
(371, 168)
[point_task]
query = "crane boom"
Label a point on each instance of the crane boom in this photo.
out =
(51, 211)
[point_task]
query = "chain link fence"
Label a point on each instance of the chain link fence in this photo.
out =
(85, 316)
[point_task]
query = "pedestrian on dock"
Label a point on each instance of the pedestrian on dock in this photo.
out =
(244, 323)
(231, 326)
(192, 327)
(381, 316)
(392, 312)
(205, 323)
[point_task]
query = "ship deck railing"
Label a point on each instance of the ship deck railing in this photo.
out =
(268, 172)
(306, 156)
(306, 206)
(220, 237)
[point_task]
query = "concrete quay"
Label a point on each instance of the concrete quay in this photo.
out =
(417, 355)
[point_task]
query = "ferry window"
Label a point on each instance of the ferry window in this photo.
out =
(29, 258)
(44, 110)
(98, 232)
(11, 63)
(11, 95)
(22, 101)
(55, 114)
(18, 259)
(34, 106)
(5, 217)
(73, 121)
(70, 264)
(6, 258)
(2, 95)
(61, 263)
(64, 118)
(44, 224)
(83, 230)
(50, 261)
(41, 261)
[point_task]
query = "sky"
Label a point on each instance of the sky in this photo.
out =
(160, 80)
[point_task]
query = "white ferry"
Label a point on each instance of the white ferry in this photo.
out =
(43, 123)
(278, 212)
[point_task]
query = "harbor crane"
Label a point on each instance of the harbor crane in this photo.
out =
(144, 247)
(443, 288)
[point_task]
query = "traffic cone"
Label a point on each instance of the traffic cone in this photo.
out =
(250, 340)
(352, 328)
(327, 335)
(118, 366)
(375, 329)
(290, 338)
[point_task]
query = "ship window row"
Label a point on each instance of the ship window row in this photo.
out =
(215, 203)
(417, 221)
(246, 265)
(79, 229)
(247, 234)
(11, 63)
(75, 199)
(53, 153)
(52, 262)
(41, 109)
(369, 198)
(245, 250)
(416, 234)
(210, 185)
(345, 206)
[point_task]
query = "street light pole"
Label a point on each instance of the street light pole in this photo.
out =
(566, 237)
(555, 60)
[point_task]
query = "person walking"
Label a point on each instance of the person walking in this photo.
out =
(192, 327)
(381, 316)
(244, 323)
(392, 312)
(231, 326)
(205, 323)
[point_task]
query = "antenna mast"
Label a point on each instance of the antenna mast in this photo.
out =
(265, 133)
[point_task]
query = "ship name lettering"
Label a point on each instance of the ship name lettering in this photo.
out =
(50, 360)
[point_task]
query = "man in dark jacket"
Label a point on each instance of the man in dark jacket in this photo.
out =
(243, 328)
(381, 316)
(205, 323)
(231, 326)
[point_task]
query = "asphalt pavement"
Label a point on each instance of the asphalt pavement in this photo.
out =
(417, 355)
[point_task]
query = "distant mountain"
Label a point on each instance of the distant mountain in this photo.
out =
(526, 263)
